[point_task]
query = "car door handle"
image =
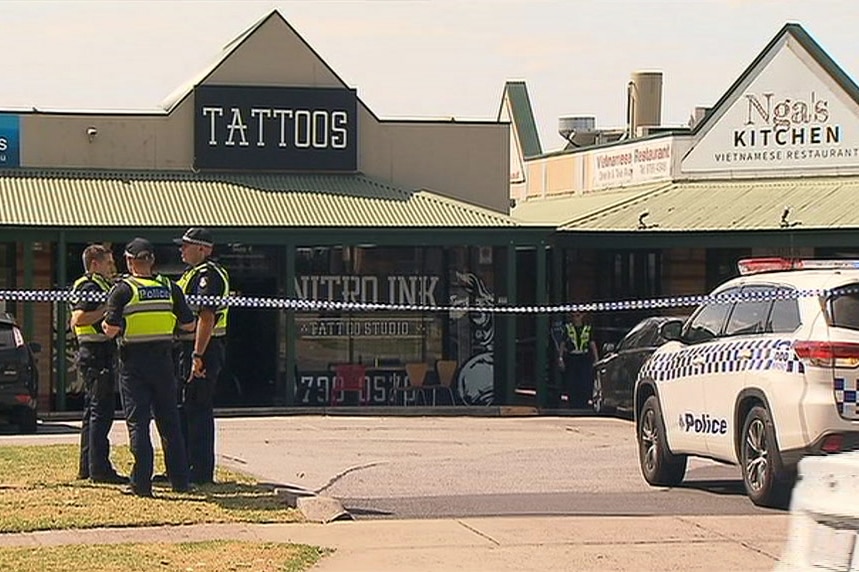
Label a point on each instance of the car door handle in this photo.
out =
(698, 361)
(746, 354)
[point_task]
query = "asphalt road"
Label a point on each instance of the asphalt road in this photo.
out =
(428, 467)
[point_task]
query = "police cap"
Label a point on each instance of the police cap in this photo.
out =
(139, 248)
(196, 235)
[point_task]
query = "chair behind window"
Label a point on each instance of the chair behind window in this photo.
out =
(445, 370)
(350, 377)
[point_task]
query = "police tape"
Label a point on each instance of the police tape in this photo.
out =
(302, 305)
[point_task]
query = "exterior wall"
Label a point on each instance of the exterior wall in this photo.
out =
(518, 191)
(602, 168)
(562, 175)
(465, 161)
(535, 182)
(158, 142)
(274, 55)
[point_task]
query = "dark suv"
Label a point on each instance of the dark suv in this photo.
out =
(18, 376)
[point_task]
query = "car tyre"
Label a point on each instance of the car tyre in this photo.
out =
(766, 481)
(658, 465)
(26, 420)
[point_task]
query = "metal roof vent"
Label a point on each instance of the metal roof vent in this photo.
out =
(577, 129)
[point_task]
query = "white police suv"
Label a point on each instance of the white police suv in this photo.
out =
(760, 375)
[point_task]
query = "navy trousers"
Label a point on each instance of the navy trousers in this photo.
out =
(148, 388)
(96, 368)
(578, 379)
(198, 399)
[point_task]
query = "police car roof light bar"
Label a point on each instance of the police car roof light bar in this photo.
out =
(749, 266)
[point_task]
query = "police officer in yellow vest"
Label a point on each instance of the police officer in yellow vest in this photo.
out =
(578, 354)
(95, 360)
(143, 310)
(201, 354)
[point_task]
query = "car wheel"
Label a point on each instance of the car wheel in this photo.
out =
(658, 465)
(766, 481)
(26, 420)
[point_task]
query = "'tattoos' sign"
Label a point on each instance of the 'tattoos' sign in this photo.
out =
(275, 128)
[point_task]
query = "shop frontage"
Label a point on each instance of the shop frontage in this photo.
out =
(769, 170)
(311, 197)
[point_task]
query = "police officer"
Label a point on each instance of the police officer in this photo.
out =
(201, 354)
(95, 361)
(143, 310)
(579, 353)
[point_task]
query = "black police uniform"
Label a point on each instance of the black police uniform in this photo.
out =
(95, 361)
(197, 396)
(148, 387)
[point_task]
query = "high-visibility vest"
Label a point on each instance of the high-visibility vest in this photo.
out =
(149, 314)
(580, 340)
(221, 311)
(90, 333)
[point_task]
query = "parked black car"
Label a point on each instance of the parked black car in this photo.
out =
(19, 378)
(615, 373)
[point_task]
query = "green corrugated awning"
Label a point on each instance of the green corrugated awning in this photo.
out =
(797, 203)
(560, 211)
(122, 199)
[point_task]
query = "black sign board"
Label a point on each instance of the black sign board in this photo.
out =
(276, 128)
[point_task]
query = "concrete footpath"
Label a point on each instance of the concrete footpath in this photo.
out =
(720, 543)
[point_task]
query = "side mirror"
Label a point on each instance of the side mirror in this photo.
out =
(35, 347)
(607, 348)
(670, 331)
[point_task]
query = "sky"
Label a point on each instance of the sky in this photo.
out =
(415, 59)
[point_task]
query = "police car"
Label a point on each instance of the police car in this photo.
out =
(761, 375)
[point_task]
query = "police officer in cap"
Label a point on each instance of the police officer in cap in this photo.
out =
(578, 355)
(201, 354)
(95, 361)
(143, 310)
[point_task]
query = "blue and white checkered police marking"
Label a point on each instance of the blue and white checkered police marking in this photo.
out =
(724, 357)
(845, 397)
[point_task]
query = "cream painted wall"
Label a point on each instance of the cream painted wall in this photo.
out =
(465, 161)
(156, 141)
(274, 55)
(560, 175)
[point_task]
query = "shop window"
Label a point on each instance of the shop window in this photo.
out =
(625, 275)
(386, 341)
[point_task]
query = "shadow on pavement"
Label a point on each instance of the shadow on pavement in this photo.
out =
(42, 429)
(356, 511)
(55, 428)
(716, 486)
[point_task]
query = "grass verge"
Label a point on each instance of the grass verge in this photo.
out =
(211, 556)
(40, 492)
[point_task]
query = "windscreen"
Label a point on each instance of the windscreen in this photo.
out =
(844, 307)
(7, 337)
